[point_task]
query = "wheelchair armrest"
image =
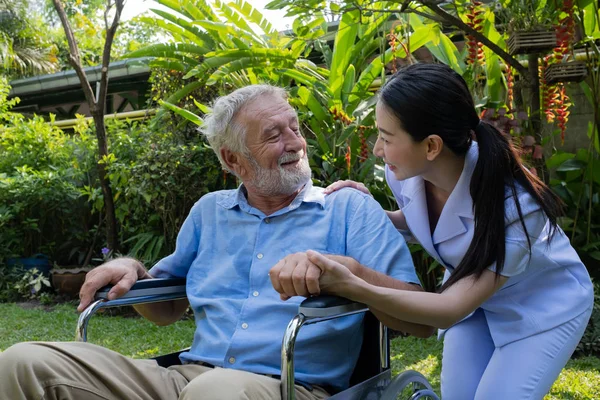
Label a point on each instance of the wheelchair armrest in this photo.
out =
(329, 306)
(144, 291)
(157, 287)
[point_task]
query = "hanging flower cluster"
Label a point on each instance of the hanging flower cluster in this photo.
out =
(393, 41)
(474, 20)
(348, 156)
(549, 93)
(562, 112)
(364, 148)
(510, 83)
(555, 101)
(340, 115)
(565, 32)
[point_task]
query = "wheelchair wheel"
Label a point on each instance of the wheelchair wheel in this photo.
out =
(409, 385)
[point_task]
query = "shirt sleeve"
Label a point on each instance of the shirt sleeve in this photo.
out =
(374, 241)
(177, 264)
(517, 246)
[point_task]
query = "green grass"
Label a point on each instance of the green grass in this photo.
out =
(138, 338)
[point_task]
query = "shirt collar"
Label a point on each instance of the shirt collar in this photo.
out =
(238, 197)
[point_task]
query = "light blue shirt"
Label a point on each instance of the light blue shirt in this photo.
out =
(545, 289)
(226, 248)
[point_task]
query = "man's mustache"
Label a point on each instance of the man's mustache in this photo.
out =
(290, 157)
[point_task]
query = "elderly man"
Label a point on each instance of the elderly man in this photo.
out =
(226, 248)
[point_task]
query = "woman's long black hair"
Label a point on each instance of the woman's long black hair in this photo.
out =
(432, 99)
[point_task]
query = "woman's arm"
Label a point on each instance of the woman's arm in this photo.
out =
(440, 310)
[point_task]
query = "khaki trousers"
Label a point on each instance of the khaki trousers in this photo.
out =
(83, 371)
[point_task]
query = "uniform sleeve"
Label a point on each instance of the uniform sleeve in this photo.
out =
(177, 264)
(517, 247)
(374, 241)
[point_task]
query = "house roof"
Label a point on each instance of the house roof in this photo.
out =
(65, 80)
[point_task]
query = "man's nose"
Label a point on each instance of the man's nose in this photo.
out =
(293, 142)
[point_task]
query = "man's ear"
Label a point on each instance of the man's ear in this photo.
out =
(434, 144)
(233, 160)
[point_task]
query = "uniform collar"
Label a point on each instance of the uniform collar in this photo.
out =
(459, 205)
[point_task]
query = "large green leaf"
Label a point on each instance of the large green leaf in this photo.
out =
(348, 85)
(344, 40)
(180, 33)
(309, 100)
(190, 116)
(187, 29)
(170, 50)
(169, 65)
(248, 62)
(234, 18)
(254, 16)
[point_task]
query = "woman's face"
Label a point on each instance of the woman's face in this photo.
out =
(405, 157)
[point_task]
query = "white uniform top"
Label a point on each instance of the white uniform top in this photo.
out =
(542, 292)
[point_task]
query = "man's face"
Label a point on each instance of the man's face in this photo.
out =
(278, 164)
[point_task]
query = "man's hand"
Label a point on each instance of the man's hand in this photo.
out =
(295, 275)
(337, 273)
(299, 275)
(121, 272)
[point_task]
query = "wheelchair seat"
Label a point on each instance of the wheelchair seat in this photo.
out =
(372, 375)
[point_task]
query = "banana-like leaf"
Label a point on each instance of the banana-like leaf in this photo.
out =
(367, 39)
(254, 16)
(203, 108)
(176, 6)
(193, 34)
(238, 21)
(344, 40)
(348, 85)
(438, 44)
(494, 77)
(169, 65)
(309, 100)
(169, 50)
(225, 32)
(223, 57)
(245, 63)
(190, 116)
(180, 94)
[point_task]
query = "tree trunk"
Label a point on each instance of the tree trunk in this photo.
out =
(109, 204)
(97, 104)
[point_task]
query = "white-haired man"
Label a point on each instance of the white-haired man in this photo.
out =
(226, 248)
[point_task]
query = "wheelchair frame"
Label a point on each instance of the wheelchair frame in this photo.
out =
(313, 310)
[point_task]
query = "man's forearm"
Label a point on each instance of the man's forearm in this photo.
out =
(164, 313)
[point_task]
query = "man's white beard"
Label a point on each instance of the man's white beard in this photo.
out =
(280, 180)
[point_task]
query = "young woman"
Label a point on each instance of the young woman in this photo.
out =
(516, 298)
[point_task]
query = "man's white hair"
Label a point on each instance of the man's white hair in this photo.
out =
(220, 127)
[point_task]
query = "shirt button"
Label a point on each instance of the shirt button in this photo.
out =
(259, 256)
(231, 360)
(244, 326)
(255, 294)
(267, 221)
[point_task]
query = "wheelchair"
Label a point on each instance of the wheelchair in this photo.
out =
(372, 376)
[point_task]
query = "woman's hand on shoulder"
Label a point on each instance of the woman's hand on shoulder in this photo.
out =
(347, 183)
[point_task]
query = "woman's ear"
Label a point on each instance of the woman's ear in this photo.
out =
(234, 161)
(434, 144)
